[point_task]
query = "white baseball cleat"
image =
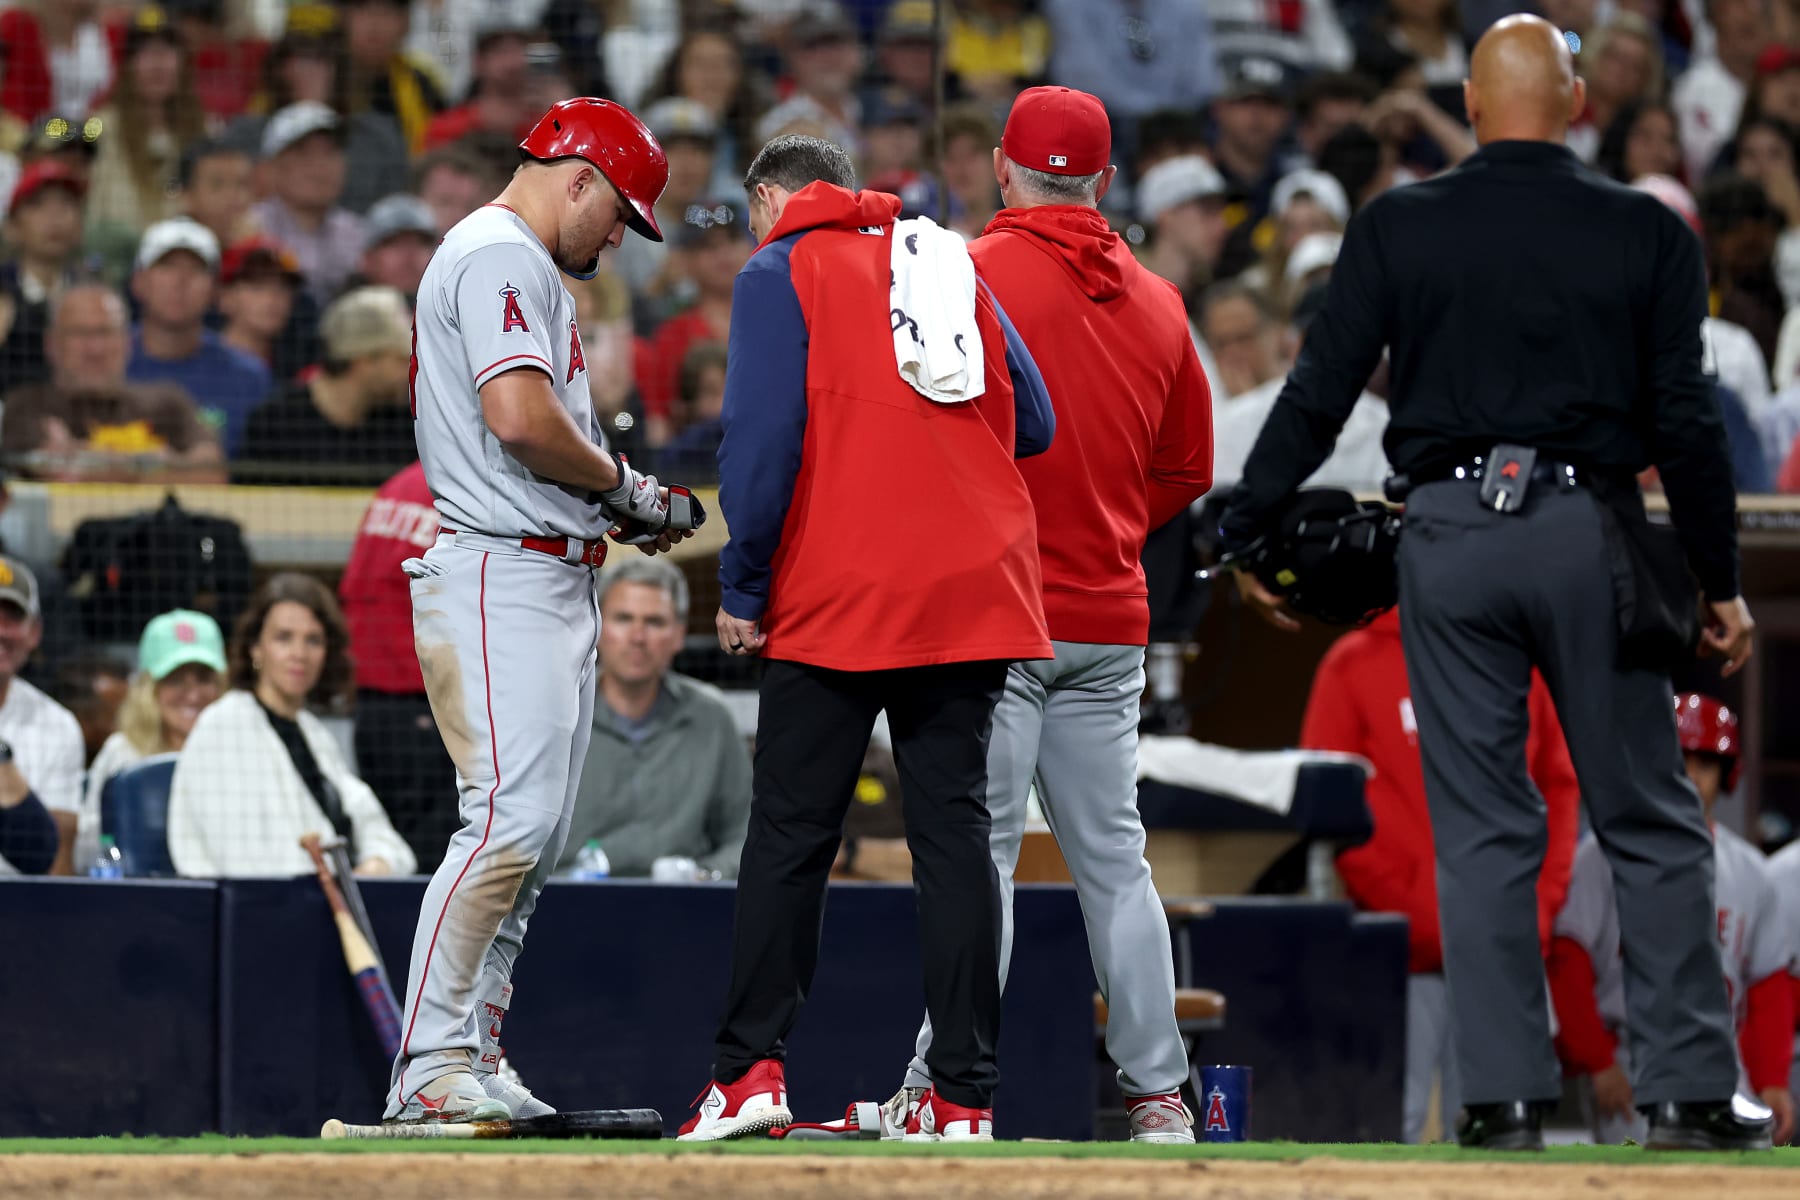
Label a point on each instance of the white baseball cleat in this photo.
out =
(505, 1086)
(495, 1071)
(898, 1111)
(754, 1104)
(456, 1097)
(1163, 1119)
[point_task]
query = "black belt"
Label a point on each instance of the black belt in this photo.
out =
(1545, 470)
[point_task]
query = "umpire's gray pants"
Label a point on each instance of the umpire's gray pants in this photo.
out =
(1484, 597)
(1070, 724)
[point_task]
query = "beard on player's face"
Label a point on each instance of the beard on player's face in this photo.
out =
(593, 223)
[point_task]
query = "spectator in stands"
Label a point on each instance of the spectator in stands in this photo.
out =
(180, 671)
(995, 48)
(1181, 201)
(1709, 96)
(1304, 39)
(384, 79)
(893, 134)
(1304, 203)
(398, 745)
(667, 779)
(1775, 89)
(176, 276)
(87, 422)
(1361, 704)
(967, 136)
(214, 189)
(694, 452)
(713, 246)
(259, 769)
(54, 58)
(1243, 336)
(1430, 32)
(303, 144)
(1358, 461)
(825, 60)
(496, 100)
(603, 311)
(1642, 139)
(41, 752)
(1249, 117)
(308, 64)
(1155, 54)
(1325, 104)
(1362, 162)
(453, 183)
(92, 685)
(689, 138)
(1768, 150)
(904, 61)
(1622, 63)
(153, 118)
(707, 67)
(349, 424)
(226, 50)
(1165, 134)
(1742, 228)
(402, 235)
(43, 225)
(1423, 134)
(259, 287)
(1587, 972)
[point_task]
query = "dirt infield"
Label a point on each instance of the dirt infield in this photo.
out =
(817, 1177)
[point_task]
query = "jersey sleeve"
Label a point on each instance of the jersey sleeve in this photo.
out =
(503, 301)
(1586, 916)
(1770, 949)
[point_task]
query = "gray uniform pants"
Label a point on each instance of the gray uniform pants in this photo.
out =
(1070, 724)
(1428, 1059)
(1485, 597)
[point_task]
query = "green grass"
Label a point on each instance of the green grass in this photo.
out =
(1252, 1151)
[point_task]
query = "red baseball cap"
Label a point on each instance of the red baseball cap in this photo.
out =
(257, 251)
(1058, 130)
(42, 174)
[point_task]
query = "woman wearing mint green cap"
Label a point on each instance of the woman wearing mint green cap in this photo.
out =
(181, 670)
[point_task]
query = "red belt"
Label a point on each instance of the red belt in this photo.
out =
(570, 550)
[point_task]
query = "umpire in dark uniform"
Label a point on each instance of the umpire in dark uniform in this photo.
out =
(1529, 305)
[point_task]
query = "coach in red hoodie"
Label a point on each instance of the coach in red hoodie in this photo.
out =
(1361, 704)
(883, 556)
(1133, 448)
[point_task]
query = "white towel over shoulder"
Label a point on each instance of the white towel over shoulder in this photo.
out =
(937, 344)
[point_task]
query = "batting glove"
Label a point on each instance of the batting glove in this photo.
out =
(637, 500)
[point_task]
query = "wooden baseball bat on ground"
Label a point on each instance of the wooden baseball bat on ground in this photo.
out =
(642, 1123)
(359, 956)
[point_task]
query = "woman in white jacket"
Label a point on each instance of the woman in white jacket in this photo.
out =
(259, 770)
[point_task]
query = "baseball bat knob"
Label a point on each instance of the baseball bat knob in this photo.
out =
(332, 1130)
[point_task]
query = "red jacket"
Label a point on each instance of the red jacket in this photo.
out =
(400, 523)
(1133, 412)
(1361, 703)
(871, 528)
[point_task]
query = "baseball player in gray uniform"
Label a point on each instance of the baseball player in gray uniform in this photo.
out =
(1784, 873)
(1755, 943)
(504, 616)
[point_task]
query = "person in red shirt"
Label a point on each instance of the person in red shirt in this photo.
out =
(883, 557)
(398, 748)
(713, 247)
(1361, 704)
(1133, 448)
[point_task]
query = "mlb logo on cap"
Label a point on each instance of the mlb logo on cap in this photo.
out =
(1059, 160)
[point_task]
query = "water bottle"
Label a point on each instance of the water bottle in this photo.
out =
(109, 863)
(592, 862)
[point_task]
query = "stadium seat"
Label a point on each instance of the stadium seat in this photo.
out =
(134, 811)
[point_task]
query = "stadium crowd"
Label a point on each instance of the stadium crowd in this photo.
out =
(217, 213)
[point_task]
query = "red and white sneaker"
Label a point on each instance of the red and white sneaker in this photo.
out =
(754, 1104)
(1160, 1119)
(938, 1120)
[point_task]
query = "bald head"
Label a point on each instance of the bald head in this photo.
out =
(1522, 84)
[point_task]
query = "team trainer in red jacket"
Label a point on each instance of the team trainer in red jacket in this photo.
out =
(1133, 448)
(883, 556)
(1361, 704)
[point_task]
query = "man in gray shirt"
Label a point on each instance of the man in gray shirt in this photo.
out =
(667, 776)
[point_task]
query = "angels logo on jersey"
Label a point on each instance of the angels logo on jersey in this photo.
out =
(512, 318)
(576, 361)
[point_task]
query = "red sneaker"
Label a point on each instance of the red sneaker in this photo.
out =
(754, 1104)
(938, 1120)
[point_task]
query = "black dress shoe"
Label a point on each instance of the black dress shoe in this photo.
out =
(1513, 1125)
(1735, 1124)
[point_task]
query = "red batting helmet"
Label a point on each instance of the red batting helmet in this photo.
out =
(1708, 727)
(619, 145)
